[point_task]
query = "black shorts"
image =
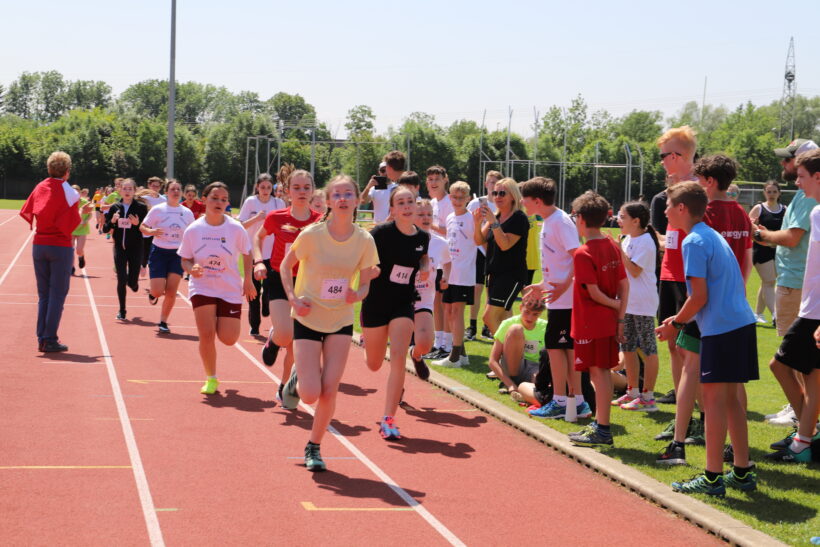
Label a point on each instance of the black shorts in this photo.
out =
(559, 323)
(378, 311)
(458, 293)
(502, 290)
(530, 276)
(480, 268)
(301, 332)
(730, 357)
(273, 285)
(798, 349)
(439, 275)
(672, 295)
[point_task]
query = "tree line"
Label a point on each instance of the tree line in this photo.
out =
(125, 135)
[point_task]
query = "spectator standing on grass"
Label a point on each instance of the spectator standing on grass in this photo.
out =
(53, 203)
(392, 166)
(490, 180)
(437, 188)
(768, 213)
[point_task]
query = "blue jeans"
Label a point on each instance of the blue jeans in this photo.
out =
(52, 268)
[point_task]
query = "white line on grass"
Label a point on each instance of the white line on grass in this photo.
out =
(375, 469)
(148, 510)
(14, 260)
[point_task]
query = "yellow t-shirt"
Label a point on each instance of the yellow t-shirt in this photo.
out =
(533, 239)
(327, 268)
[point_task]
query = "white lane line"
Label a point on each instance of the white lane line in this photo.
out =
(376, 470)
(10, 219)
(14, 260)
(148, 511)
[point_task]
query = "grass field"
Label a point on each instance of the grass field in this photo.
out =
(786, 503)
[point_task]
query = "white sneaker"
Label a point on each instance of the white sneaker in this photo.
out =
(464, 361)
(445, 362)
(782, 412)
(760, 319)
(788, 419)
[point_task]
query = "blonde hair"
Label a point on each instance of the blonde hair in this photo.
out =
(683, 135)
(58, 164)
(495, 174)
(511, 187)
(461, 187)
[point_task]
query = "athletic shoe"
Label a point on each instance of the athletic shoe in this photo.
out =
(279, 394)
(586, 430)
(432, 353)
(108, 236)
(787, 408)
(551, 410)
(135, 287)
(440, 354)
(640, 405)
(786, 419)
(254, 332)
(728, 454)
(52, 346)
(121, 315)
(486, 334)
(388, 429)
(784, 442)
(313, 458)
(491, 375)
(210, 386)
(422, 370)
(668, 433)
(787, 456)
(623, 399)
(694, 433)
(503, 390)
(583, 410)
(699, 484)
(445, 362)
(592, 437)
(270, 351)
(673, 454)
(265, 307)
(668, 399)
(163, 328)
(152, 299)
(469, 333)
(290, 397)
(746, 483)
(81, 262)
(760, 319)
(517, 397)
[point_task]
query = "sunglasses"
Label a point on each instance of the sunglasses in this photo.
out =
(499, 193)
(664, 154)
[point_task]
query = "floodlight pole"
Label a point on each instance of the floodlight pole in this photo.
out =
(509, 126)
(595, 172)
(627, 188)
(169, 164)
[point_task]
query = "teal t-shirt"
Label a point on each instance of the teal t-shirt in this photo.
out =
(533, 339)
(791, 262)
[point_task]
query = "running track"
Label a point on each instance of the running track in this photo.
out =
(111, 443)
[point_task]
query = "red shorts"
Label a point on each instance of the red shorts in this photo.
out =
(597, 352)
(223, 309)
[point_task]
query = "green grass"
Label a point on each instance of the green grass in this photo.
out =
(11, 203)
(787, 501)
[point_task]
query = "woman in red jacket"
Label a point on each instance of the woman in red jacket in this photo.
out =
(54, 204)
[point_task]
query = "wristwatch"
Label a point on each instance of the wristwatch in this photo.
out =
(677, 325)
(495, 225)
(756, 236)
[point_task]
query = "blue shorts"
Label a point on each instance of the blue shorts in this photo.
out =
(162, 262)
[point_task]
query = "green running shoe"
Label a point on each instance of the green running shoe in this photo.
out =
(209, 388)
(746, 483)
(313, 458)
(699, 484)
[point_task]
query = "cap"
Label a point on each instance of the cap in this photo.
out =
(795, 148)
(382, 165)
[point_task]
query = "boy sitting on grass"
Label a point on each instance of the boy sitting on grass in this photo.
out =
(514, 357)
(599, 300)
(728, 348)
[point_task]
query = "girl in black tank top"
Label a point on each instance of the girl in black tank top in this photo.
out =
(771, 220)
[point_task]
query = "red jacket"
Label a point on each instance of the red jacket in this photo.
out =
(56, 217)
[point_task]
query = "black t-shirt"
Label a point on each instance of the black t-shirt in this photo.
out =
(513, 261)
(657, 213)
(772, 221)
(399, 258)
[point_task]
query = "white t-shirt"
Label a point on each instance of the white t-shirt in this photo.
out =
(441, 210)
(472, 206)
(810, 301)
(153, 202)
(643, 293)
(381, 202)
(250, 208)
(461, 242)
(558, 236)
(217, 249)
(172, 221)
(439, 255)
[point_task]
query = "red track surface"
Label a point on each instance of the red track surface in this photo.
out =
(227, 469)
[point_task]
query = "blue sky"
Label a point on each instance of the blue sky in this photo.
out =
(452, 59)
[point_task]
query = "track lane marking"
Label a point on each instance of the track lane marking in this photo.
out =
(14, 260)
(309, 506)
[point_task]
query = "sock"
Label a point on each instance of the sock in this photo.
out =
(799, 443)
(456, 352)
(579, 400)
(438, 341)
(703, 418)
(473, 324)
(211, 377)
(677, 444)
(312, 444)
(447, 342)
(741, 471)
(560, 399)
(648, 396)
(633, 392)
(603, 429)
(711, 476)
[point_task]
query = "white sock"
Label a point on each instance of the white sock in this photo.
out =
(633, 392)
(648, 396)
(579, 400)
(211, 377)
(438, 338)
(447, 342)
(561, 400)
(799, 443)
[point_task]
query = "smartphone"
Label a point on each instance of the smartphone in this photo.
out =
(482, 201)
(381, 182)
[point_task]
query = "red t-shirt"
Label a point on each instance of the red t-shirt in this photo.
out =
(56, 217)
(197, 208)
(285, 228)
(672, 263)
(597, 262)
(729, 219)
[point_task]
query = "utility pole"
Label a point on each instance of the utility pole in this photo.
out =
(787, 100)
(169, 164)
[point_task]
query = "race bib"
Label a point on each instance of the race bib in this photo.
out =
(123, 223)
(213, 265)
(333, 289)
(401, 274)
(532, 347)
(672, 240)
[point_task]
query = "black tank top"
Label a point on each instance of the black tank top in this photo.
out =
(772, 221)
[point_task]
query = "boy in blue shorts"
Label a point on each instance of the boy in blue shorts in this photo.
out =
(728, 349)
